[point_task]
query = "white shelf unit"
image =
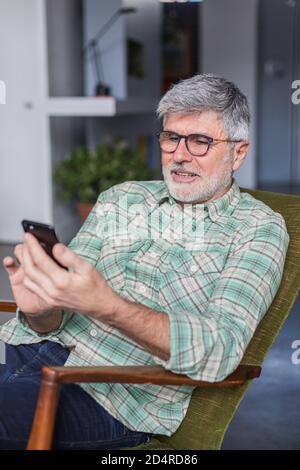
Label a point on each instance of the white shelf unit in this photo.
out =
(45, 116)
(104, 106)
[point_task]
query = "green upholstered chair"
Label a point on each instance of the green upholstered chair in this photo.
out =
(212, 409)
(212, 405)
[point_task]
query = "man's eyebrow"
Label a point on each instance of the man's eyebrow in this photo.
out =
(191, 133)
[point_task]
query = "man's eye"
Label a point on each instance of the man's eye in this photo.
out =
(173, 138)
(200, 141)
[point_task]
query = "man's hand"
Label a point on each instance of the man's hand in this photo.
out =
(82, 288)
(26, 300)
(40, 285)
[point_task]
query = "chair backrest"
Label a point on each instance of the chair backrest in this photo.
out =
(211, 409)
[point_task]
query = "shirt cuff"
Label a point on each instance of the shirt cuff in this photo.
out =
(21, 320)
(186, 350)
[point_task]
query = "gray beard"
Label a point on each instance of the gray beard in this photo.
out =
(206, 190)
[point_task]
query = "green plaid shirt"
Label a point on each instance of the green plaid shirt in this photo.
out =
(215, 292)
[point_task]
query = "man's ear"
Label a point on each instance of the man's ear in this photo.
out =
(240, 153)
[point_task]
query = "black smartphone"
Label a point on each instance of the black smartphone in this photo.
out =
(45, 234)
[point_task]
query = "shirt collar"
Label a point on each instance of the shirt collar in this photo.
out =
(223, 206)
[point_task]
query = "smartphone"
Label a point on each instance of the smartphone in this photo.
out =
(45, 234)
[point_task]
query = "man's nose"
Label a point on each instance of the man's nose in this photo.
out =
(182, 154)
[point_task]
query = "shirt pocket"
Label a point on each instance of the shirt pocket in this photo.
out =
(194, 263)
(189, 278)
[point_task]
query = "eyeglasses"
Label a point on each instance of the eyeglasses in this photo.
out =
(197, 144)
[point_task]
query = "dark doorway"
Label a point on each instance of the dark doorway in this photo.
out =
(180, 38)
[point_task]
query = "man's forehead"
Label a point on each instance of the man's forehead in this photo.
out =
(203, 121)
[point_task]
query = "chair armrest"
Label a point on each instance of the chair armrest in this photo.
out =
(142, 375)
(52, 377)
(7, 306)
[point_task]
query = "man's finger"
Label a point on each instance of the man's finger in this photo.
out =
(41, 259)
(29, 284)
(18, 252)
(69, 259)
(34, 273)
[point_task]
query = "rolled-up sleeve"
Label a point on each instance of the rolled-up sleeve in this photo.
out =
(209, 345)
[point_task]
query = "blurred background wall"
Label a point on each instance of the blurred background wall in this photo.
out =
(51, 71)
(229, 49)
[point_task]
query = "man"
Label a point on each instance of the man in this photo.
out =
(189, 299)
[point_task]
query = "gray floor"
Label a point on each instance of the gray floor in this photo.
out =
(269, 416)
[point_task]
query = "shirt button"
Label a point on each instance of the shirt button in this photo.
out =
(137, 218)
(55, 338)
(142, 289)
(93, 333)
(152, 254)
(194, 268)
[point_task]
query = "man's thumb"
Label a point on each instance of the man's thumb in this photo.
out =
(67, 257)
(10, 265)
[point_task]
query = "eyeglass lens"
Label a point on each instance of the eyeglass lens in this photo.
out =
(196, 144)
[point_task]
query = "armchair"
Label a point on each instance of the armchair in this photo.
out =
(213, 404)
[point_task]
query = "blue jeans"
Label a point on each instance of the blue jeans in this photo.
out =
(81, 422)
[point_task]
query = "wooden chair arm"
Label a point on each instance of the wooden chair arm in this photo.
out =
(44, 419)
(142, 375)
(7, 306)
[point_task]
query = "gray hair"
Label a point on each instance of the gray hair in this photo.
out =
(209, 92)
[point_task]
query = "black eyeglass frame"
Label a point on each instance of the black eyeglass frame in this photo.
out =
(210, 141)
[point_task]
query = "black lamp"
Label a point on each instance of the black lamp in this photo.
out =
(101, 89)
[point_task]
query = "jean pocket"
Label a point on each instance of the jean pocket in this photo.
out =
(48, 354)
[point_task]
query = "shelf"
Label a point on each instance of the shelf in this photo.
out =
(103, 106)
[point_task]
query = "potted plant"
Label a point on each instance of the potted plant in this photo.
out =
(84, 173)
